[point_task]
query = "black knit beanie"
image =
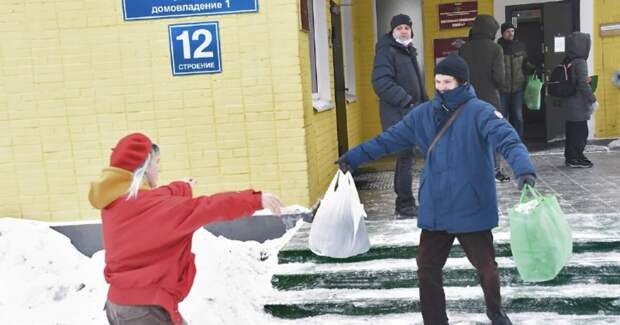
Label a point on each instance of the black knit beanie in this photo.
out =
(506, 26)
(454, 66)
(400, 19)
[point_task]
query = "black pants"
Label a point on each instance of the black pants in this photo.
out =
(432, 255)
(576, 139)
(402, 180)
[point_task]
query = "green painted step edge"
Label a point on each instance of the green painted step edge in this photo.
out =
(387, 279)
(408, 252)
(563, 306)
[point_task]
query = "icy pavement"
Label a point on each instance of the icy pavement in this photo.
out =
(380, 287)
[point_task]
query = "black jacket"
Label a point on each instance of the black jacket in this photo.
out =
(396, 79)
(485, 59)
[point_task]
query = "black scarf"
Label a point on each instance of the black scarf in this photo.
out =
(510, 47)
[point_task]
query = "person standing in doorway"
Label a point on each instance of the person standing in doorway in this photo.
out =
(485, 59)
(458, 199)
(397, 81)
(517, 67)
(580, 106)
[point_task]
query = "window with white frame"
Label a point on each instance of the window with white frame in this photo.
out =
(349, 59)
(319, 60)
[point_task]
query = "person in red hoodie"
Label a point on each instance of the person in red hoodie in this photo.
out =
(147, 232)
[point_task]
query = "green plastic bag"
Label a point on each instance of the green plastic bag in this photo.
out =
(540, 238)
(594, 82)
(531, 94)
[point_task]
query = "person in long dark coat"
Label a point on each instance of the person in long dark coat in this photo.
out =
(579, 107)
(485, 59)
(398, 83)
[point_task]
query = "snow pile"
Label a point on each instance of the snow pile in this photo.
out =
(43, 275)
(233, 279)
(614, 144)
(45, 280)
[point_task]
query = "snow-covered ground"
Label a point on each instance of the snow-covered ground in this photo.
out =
(45, 280)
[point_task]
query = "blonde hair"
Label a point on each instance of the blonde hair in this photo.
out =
(138, 174)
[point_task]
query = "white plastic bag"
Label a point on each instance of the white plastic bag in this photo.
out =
(338, 229)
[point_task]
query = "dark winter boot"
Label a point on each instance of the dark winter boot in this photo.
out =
(577, 163)
(500, 318)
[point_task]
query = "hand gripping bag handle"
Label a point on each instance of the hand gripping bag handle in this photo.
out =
(528, 189)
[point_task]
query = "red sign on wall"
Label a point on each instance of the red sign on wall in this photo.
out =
(457, 14)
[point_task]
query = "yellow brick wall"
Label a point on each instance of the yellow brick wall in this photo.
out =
(432, 31)
(75, 78)
(355, 116)
(354, 123)
(364, 43)
(321, 135)
(606, 53)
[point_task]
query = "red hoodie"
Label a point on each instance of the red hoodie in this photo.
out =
(148, 239)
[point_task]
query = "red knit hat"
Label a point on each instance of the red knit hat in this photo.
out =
(131, 152)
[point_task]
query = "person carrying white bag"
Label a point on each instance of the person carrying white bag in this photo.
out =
(338, 229)
(458, 199)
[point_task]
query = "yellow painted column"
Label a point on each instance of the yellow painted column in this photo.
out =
(606, 52)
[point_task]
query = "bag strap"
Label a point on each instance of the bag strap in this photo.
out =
(532, 191)
(445, 128)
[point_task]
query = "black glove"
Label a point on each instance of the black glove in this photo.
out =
(528, 179)
(344, 165)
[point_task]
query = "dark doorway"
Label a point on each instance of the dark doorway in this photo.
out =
(529, 31)
(539, 26)
(339, 81)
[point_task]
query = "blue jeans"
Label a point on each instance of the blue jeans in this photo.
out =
(512, 108)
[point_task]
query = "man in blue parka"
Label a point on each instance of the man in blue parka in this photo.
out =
(457, 189)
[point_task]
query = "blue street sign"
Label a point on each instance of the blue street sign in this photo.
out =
(153, 9)
(195, 48)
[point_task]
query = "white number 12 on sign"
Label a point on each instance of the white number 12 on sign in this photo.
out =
(199, 52)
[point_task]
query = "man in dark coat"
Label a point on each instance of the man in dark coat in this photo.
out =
(485, 59)
(517, 66)
(398, 83)
(578, 107)
(458, 198)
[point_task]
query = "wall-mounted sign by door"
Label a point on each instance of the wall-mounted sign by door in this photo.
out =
(457, 14)
(195, 48)
(153, 9)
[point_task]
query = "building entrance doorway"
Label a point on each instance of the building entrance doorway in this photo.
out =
(543, 28)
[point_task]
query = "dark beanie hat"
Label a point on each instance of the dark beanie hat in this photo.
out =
(131, 152)
(400, 19)
(454, 66)
(507, 25)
